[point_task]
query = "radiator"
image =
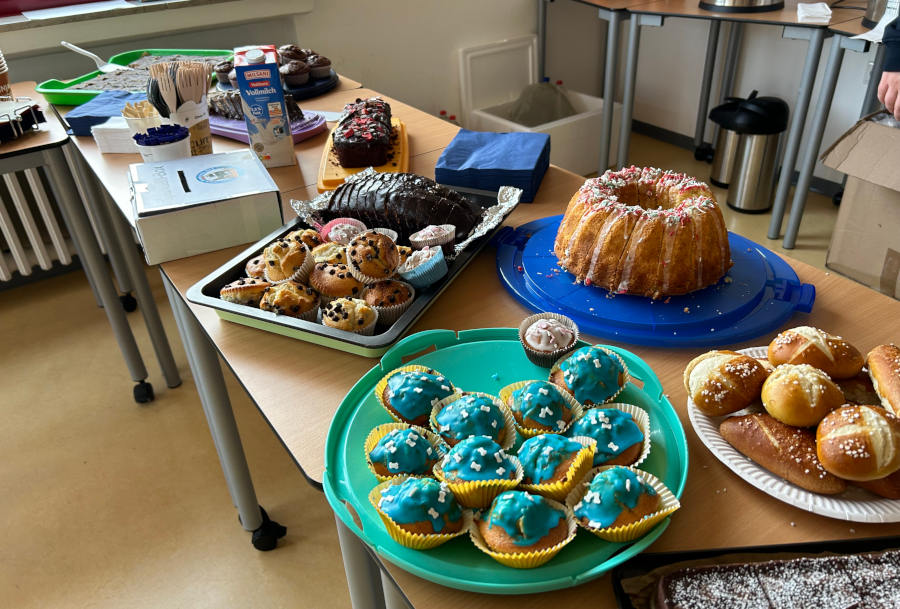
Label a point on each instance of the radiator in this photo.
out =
(33, 234)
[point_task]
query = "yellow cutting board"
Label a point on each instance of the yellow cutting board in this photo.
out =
(332, 175)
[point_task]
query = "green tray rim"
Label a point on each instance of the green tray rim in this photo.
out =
(416, 344)
(56, 91)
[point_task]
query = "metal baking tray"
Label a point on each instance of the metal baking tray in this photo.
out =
(648, 561)
(206, 292)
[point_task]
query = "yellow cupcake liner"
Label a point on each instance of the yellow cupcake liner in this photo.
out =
(480, 493)
(381, 431)
(534, 558)
(575, 409)
(509, 428)
(578, 469)
(380, 386)
(541, 358)
(416, 541)
(627, 378)
(629, 532)
(642, 418)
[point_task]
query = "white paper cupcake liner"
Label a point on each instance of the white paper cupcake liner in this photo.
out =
(392, 234)
(388, 315)
(301, 274)
(365, 331)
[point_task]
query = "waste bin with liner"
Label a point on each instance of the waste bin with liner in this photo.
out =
(747, 148)
(492, 78)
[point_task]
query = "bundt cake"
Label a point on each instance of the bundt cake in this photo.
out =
(644, 231)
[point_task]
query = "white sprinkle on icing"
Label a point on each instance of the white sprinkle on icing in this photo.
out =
(475, 466)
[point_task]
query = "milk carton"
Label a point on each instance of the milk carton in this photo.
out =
(262, 98)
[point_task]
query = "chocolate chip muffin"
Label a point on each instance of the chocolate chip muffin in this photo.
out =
(350, 314)
(256, 267)
(245, 291)
(405, 252)
(331, 252)
(373, 256)
(307, 235)
(287, 260)
(292, 299)
(334, 281)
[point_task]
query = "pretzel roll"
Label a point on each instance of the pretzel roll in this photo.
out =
(721, 382)
(806, 345)
(800, 395)
(859, 443)
(884, 369)
(888, 487)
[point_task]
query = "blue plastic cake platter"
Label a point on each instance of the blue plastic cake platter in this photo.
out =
(485, 360)
(757, 295)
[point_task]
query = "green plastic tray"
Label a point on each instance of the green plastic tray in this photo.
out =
(57, 92)
(485, 360)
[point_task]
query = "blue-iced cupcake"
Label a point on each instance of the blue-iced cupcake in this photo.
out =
(419, 513)
(473, 414)
(394, 449)
(540, 407)
(477, 470)
(620, 435)
(553, 464)
(409, 393)
(592, 375)
(423, 267)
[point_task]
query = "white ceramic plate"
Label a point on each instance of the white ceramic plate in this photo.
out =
(855, 504)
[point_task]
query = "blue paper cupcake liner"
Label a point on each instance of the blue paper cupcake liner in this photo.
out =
(428, 272)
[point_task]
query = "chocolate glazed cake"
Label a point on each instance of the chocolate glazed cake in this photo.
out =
(860, 581)
(363, 135)
(404, 202)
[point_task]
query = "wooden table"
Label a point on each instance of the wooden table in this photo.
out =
(49, 148)
(719, 509)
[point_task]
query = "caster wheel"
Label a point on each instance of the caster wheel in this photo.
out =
(143, 392)
(837, 197)
(266, 537)
(129, 303)
(704, 152)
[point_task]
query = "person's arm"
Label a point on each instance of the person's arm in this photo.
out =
(889, 88)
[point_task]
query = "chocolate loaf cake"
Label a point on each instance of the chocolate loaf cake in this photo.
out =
(363, 135)
(859, 581)
(404, 202)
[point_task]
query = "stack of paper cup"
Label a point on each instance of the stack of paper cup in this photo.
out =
(5, 89)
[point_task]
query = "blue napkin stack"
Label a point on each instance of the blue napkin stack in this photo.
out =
(100, 109)
(484, 161)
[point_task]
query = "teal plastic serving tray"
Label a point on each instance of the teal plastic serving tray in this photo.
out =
(487, 359)
(58, 93)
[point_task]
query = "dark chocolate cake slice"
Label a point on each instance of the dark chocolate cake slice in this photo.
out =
(363, 135)
(404, 202)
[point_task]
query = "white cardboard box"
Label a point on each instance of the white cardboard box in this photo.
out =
(203, 203)
(493, 75)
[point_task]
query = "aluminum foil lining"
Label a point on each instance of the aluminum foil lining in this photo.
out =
(507, 199)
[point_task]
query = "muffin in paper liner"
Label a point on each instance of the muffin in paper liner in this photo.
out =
(445, 241)
(384, 429)
(416, 541)
(359, 275)
(555, 368)
(629, 532)
(559, 490)
(301, 274)
(382, 384)
(388, 315)
(368, 330)
(534, 558)
(509, 429)
(480, 493)
(529, 432)
(325, 229)
(388, 232)
(541, 358)
(642, 418)
(426, 273)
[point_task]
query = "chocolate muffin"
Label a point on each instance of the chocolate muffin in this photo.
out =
(222, 70)
(319, 66)
(291, 52)
(294, 73)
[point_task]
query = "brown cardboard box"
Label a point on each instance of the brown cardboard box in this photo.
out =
(865, 244)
